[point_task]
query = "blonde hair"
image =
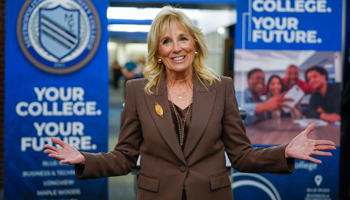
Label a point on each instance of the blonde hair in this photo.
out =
(154, 70)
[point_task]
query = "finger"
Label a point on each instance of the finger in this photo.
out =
(324, 142)
(315, 160)
(48, 151)
(322, 153)
(50, 147)
(56, 156)
(324, 147)
(68, 162)
(58, 141)
(287, 106)
(308, 129)
(287, 99)
(64, 161)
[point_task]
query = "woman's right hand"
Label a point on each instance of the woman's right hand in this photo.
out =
(66, 155)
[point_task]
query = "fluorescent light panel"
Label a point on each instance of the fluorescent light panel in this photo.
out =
(132, 13)
(143, 13)
(128, 28)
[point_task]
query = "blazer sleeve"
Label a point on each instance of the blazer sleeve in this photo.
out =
(242, 155)
(123, 158)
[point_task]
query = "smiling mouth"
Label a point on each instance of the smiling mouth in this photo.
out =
(179, 58)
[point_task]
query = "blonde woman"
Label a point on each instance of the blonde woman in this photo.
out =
(181, 119)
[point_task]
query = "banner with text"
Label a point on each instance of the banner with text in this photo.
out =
(56, 85)
(289, 49)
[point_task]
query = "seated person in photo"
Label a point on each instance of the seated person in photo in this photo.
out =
(275, 87)
(325, 101)
(252, 102)
(292, 78)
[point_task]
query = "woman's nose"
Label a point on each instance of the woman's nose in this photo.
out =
(177, 47)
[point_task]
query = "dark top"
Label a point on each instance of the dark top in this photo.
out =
(181, 115)
(330, 102)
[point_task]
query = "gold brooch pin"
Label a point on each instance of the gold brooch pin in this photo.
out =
(159, 109)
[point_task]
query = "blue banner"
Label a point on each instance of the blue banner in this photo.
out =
(281, 47)
(309, 181)
(56, 85)
(289, 24)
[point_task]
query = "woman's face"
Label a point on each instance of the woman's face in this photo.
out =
(176, 49)
(275, 86)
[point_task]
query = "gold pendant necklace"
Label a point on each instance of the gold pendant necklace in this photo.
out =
(181, 129)
(179, 97)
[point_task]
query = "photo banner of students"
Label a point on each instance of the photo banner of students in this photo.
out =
(56, 85)
(287, 75)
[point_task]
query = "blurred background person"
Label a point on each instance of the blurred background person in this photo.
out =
(275, 87)
(116, 73)
(253, 104)
(135, 71)
(292, 78)
(325, 101)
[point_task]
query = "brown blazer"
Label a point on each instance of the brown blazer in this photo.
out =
(216, 127)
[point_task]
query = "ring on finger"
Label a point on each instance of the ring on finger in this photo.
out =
(312, 153)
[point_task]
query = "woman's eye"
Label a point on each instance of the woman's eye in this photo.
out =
(183, 38)
(166, 41)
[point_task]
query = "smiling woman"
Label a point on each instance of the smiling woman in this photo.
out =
(177, 50)
(181, 119)
(169, 19)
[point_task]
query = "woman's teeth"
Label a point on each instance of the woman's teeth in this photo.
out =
(179, 58)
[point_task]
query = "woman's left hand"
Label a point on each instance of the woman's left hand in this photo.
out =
(304, 148)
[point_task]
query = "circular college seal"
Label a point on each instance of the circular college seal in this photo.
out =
(58, 36)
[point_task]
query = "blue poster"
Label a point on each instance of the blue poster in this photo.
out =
(56, 85)
(289, 49)
(289, 24)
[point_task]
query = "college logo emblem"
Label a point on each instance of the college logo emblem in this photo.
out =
(58, 36)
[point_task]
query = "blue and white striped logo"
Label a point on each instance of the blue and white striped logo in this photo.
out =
(58, 36)
(59, 31)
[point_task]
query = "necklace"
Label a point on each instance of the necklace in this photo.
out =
(181, 133)
(179, 97)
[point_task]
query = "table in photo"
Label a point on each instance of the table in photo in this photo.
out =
(282, 131)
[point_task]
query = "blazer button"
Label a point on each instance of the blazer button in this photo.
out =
(182, 168)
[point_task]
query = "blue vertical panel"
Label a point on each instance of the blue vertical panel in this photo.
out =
(56, 85)
(271, 35)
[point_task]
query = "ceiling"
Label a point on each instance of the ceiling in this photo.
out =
(128, 21)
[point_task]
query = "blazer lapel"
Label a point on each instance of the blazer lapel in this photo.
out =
(203, 103)
(164, 124)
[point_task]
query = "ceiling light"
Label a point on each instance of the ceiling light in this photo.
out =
(128, 28)
(221, 30)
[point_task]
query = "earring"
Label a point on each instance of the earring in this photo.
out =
(196, 53)
(159, 60)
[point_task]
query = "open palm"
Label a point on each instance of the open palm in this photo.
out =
(304, 148)
(66, 155)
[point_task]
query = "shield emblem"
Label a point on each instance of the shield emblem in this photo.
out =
(59, 31)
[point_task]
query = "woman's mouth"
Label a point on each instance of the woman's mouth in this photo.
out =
(178, 58)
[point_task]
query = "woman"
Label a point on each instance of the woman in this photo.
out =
(181, 120)
(275, 86)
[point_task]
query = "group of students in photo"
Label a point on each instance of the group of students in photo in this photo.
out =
(266, 100)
